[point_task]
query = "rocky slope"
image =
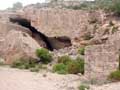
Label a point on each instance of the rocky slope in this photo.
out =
(66, 29)
(15, 42)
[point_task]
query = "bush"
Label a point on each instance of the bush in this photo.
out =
(115, 76)
(22, 64)
(73, 67)
(83, 87)
(27, 64)
(76, 66)
(2, 63)
(115, 7)
(109, 5)
(60, 68)
(64, 59)
(81, 50)
(82, 6)
(103, 4)
(67, 65)
(44, 55)
(78, 7)
(119, 61)
(114, 29)
(81, 64)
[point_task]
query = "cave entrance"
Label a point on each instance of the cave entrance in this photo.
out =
(51, 42)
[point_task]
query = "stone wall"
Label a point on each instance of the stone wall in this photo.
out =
(101, 60)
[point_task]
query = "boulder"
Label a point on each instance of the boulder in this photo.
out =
(16, 42)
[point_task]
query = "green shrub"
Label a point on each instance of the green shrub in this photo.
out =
(82, 6)
(44, 55)
(73, 67)
(27, 64)
(109, 5)
(114, 29)
(78, 7)
(64, 59)
(76, 66)
(21, 64)
(81, 50)
(83, 87)
(67, 65)
(60, 68)
(115, 7)
(115, 76)
(81, 64)
(103, 4)
(2, 64)
(119, 61)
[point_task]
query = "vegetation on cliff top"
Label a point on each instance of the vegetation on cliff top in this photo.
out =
(107, 5)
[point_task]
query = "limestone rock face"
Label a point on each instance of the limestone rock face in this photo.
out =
(62, 22)
(66, 22)
(103, 59)
(16, 42)
(100, 61)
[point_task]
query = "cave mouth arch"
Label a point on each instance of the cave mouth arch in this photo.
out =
(51, 42)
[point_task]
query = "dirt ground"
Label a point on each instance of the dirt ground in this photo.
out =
(14, 79)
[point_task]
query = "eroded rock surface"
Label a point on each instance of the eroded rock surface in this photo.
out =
(103, 59)
(63, 22)
(15, 42)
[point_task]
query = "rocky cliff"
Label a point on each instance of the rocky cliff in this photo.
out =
(63, 22)
(68, 29)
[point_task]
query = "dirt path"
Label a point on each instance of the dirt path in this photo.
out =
(14, 79)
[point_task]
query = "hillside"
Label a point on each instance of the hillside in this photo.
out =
(82, 44)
